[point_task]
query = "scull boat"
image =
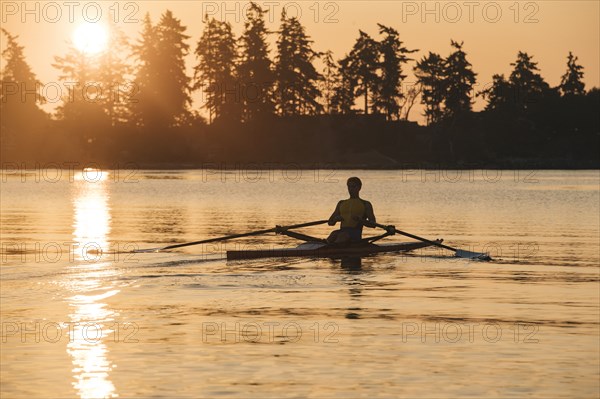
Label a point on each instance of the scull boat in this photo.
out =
(319, 248)
(323, 250)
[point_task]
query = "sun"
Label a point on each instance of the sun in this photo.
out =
(90, 38)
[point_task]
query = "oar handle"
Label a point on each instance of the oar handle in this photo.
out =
(252, 233)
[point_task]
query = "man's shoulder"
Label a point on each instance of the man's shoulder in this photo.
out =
(367, 203)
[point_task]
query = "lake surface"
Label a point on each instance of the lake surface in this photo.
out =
(83, 318)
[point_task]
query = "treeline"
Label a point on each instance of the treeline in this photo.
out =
(286, 109)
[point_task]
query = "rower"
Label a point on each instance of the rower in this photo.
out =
(353, 213)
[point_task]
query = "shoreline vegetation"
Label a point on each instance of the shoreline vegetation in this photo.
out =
(322, 142)
(263, 110)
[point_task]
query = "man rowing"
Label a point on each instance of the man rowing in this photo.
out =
(353, 213)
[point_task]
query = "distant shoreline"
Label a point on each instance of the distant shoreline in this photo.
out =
(78, 166)
(319, 142)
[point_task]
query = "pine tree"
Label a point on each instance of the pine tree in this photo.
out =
(430, 73)
(388, 94)
(331, 80)
(145, 108)
(175, 84)
(114, 76)
(254, 69)
(342, 100)
(500, 95)
(361, 67)
(295, 76)
(19, 109)
(16, 70)
(163, 87)
(528, 84)
(571, 82)
(215, 72)
(81, 112)
(459, 81)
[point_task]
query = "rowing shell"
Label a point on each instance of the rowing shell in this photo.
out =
(320, 250)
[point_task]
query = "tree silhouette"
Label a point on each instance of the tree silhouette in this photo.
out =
(331, 80)
(409, 99)
(500, 95)
(16, 82)
(254, 69)
(145, 108)
(528, 85)
(114, 76)
(82, 111)
(342, 100)
(361, 68)
(459, 80)
(295, 76)
(176, 85)
(164, 99)
(571, 82)
(215, 72)
(525, 120)
(388, 93)
(430, 72)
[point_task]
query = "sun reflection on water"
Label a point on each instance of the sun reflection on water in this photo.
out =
(92, 214)
(92, 320)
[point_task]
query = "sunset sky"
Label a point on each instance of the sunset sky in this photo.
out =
(493, 32)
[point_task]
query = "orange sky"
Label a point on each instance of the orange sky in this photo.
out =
(493, 31)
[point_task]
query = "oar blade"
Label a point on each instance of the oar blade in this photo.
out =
(461, 253)
(146, 251)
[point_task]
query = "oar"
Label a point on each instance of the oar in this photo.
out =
(224, 238)
(461, 253)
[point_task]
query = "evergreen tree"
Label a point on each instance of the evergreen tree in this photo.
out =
(163, 87)
(331, 80)
(500, 95)
(430, 73)
(17, 71)
(459, 81)
(295, 76)
(81, 112)
(114, 76)
(20, 110)
(571, 82)
(254, 70)
(528, 84)
(361, 67)
(342, 100)
(145, 108)
(215, 72)
(388, 94)
(175, 84)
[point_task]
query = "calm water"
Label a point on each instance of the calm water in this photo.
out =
(79, 323)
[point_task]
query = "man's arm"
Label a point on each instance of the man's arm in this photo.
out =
(369, 215)
(335, 216)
